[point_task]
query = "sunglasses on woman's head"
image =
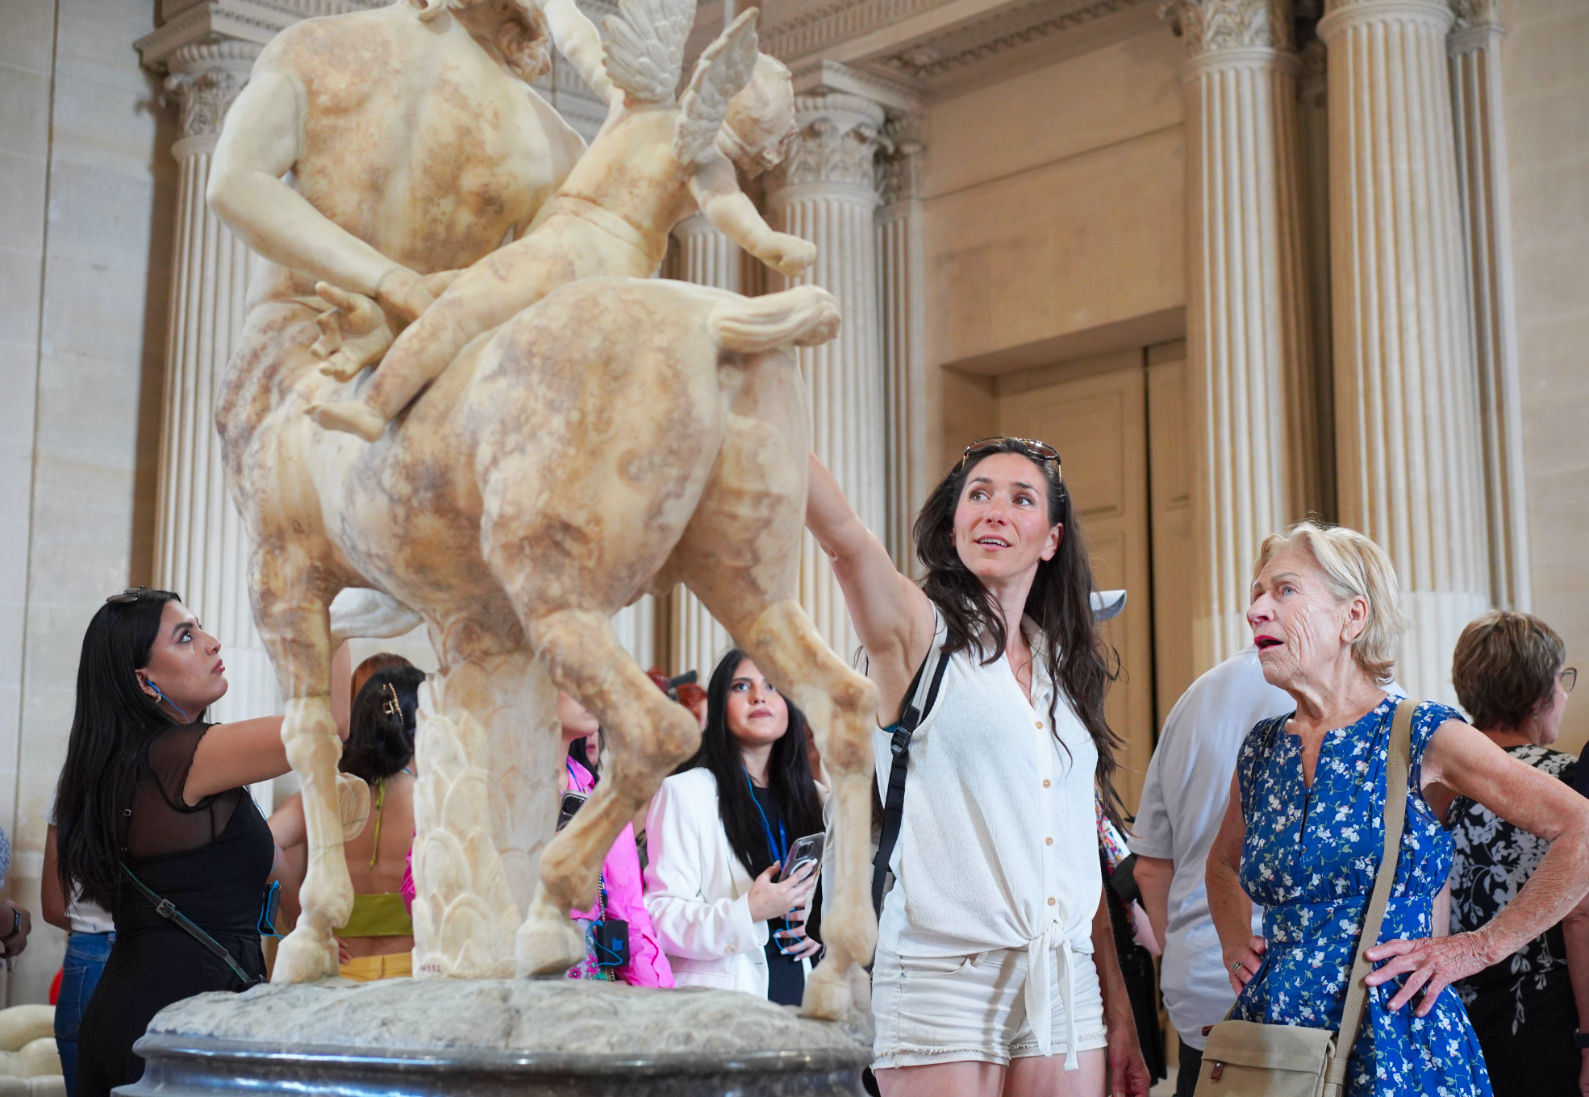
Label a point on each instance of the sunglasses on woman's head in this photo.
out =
(128, 596)
(1031, 447)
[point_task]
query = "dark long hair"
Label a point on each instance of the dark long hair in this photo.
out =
(381, 741)
(1075, 656)
(788, 775)
(112, 726)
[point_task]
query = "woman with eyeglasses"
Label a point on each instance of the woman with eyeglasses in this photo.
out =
(995, 970)
(720, 834)
(152, 805)
(1509, 675)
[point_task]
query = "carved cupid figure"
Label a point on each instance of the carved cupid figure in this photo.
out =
(654, 161)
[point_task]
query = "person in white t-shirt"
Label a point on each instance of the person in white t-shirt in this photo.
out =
(90, 931)
(995, 971)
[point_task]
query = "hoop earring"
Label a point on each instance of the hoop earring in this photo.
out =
(160, 696)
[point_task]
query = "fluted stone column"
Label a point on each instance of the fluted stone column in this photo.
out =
(200, 546)
(1475, 62)
(1249, 338)
(826, 191)
(901, 254)
(1406, 409)
(703, 255)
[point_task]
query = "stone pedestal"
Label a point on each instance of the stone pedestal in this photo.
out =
(1250, 356)
(200, 547)
(826, 192)
(487, 1038)
(1406, 407)
(1475, 60)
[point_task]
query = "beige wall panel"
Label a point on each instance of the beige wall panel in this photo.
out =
(968, 411)
(102, 195)
(1098, 424)
(1059, 249)
(1171, 465)
(1124, 91)
(1546, 83)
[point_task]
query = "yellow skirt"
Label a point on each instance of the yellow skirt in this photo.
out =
(367, 969)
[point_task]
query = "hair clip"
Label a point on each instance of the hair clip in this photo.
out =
(391, 707)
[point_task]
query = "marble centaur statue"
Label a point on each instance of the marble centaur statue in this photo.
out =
(617, 436)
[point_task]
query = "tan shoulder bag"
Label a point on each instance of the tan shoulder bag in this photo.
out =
(1249, 1059)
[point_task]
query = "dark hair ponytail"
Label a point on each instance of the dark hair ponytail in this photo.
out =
(1060, 602)
(788, 775)
(381, 723)
(112, 726)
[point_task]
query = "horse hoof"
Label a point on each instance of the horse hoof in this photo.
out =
(547, 947)
(827, 996)
(302, 959)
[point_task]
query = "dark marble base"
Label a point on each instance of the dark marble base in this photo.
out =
(557, 1038)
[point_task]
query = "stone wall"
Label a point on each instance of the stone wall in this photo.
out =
(85, 238)
(1546, 86)
(1054, 207)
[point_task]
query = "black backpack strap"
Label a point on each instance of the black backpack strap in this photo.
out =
(168, 910)
(910, 718)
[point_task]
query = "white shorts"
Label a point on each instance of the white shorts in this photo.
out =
(960, 1008)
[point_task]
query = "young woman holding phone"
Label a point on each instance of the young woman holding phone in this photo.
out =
(720, 831)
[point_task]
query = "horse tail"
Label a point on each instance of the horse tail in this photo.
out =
(804, 316)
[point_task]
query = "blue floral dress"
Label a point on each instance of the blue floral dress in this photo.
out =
(1309, 860)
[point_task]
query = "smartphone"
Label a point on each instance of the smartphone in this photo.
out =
(572, 802)
(805, 851)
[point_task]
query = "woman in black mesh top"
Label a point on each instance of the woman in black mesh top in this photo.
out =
(152, 793)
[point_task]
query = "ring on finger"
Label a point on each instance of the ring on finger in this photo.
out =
(1237, 966)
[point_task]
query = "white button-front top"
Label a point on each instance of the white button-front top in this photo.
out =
(998, 846)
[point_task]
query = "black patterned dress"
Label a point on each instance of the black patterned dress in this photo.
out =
(1522, 1008)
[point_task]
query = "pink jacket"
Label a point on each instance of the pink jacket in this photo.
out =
(648, 966)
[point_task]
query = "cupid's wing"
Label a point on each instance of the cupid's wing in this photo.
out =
(723, 69)
(645, 46)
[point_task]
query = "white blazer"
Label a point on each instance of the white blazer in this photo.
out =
(697, 892)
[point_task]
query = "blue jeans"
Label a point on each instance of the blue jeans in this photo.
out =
(86, 954)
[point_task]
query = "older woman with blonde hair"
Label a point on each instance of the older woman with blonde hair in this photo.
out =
(1511, 676)
(1304, 830)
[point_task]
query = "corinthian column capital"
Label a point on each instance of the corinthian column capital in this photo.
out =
(204, 81)
(900, 165)
(1475, 13)
(1207, 26)
(1340, 13)
(838, 142)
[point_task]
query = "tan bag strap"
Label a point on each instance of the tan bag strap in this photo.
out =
(1398, 766)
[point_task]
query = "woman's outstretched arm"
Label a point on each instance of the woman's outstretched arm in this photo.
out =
(892, 617)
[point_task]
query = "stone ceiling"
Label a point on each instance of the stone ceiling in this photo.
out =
(919, 49)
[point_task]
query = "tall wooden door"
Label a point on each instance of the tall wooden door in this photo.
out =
(1095, 413)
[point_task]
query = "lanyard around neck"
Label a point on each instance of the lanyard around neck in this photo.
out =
(779, 848)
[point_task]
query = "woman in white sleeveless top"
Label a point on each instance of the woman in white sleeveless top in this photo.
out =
(995, 970)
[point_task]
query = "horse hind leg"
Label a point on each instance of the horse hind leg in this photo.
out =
(647, 736)
(841, 706)
(298, 639)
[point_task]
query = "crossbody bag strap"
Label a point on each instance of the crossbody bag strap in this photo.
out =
(168, 910)
(911, 714)
(1398, 766)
